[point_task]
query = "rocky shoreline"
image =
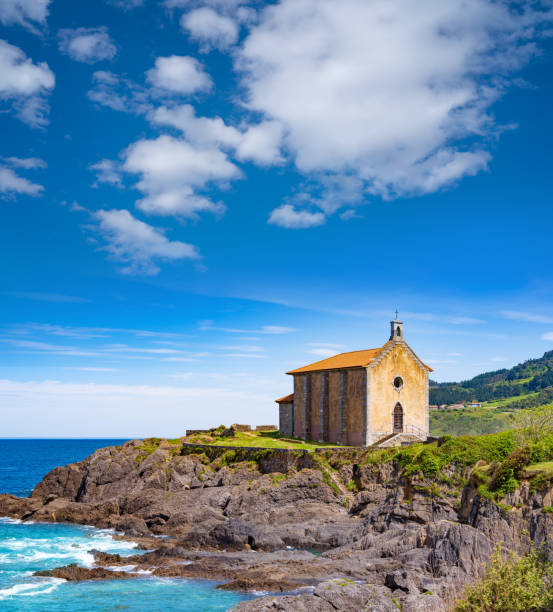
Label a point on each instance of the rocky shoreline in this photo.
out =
(338, 530)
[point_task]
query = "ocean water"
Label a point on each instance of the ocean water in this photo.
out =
(28, 547)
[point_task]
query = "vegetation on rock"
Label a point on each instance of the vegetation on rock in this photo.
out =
(512, 583)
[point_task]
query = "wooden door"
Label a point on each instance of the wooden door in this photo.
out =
(398, 418)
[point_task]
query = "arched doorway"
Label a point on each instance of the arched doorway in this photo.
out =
(398, 418)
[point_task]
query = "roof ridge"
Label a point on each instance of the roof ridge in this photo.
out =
(376, 348)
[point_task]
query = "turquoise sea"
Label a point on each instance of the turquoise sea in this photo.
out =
(28, 547)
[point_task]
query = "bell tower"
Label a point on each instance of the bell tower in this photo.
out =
(396, 331)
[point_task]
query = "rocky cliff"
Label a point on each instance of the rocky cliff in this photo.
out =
(350, 532)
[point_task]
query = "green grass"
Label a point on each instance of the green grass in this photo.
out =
(508, 400)
(470, 421)
(544, 467)
(260, 439)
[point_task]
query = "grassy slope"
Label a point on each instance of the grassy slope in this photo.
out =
(261, 439)
(470, 421)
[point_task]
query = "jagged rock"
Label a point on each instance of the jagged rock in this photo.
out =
(286, 603)
(347, 595)
(422, 603)
(400, 579)
(75, 573)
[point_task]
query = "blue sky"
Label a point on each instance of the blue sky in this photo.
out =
(199, 195)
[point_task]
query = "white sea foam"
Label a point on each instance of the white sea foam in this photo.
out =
(120, 568)
(8, 520)
(30, 589)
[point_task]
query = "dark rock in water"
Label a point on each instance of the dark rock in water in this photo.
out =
(75, 573)
(103, 558)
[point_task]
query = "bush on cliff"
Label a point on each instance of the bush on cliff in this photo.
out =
(465, 450)
(513, 584)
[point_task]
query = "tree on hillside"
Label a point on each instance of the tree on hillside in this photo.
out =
(531, 425)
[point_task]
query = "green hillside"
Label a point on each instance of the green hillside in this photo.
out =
(526, 384)
(502, 393)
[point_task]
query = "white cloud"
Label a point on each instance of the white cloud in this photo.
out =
(118, 93)
(529, 317)
(24, 84)
(287, 216)
(266, 329)
(323, 352)
(88, 332)
(138, 244)
(548, 336)
(202, 130)
(11, 184)
(275, 329)
(179, 74)
(498, 359)
(28, 163)
(127, 4)
(92, 369)
(47, 297)
(172, 169)
(244, 355)
(24, 12)
(465, 321)
(224, 5)
(210, 28)
(348, 214)
(87, 45)
(53, 349)
(393, 95)
(259, 143)
(244, 348)
(107, 171)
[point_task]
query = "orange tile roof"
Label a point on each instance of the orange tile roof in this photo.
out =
(286, 399)
(355, 359)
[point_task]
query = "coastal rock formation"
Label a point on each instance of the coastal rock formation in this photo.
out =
(339, 531)
(74, 573)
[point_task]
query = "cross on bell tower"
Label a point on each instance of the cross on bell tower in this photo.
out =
(396, 332)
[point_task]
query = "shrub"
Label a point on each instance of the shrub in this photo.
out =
(504, 478)
(533, 425)
(513, 584)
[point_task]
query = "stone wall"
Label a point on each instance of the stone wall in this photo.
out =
(286, 418)
(299, 404)
(354, 408)
(315, 405)
(333, 405)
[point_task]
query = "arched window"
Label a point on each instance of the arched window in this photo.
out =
(398, 418)
(398, 332)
